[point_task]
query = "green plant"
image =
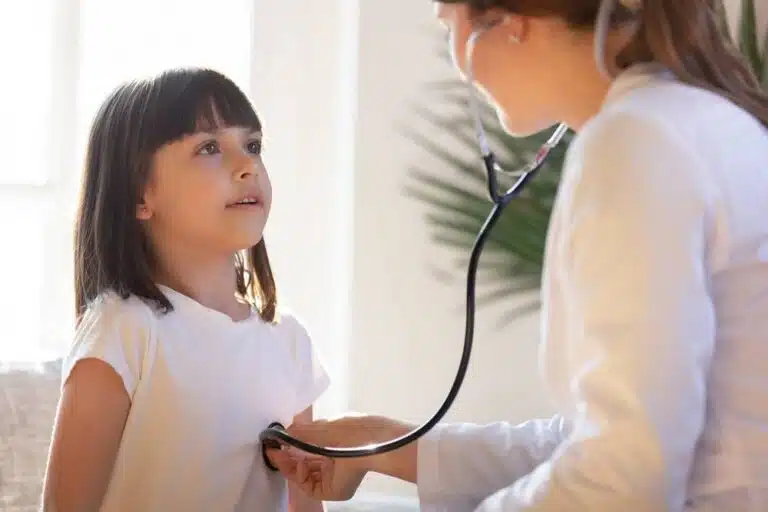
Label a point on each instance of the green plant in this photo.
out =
(752, 45)
(512, 261)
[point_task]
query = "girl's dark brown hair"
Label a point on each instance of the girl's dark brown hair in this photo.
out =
(112, 250)
(685, 36)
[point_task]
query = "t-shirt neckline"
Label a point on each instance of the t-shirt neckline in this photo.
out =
(188, 306)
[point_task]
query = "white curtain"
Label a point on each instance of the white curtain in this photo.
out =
(61, 59)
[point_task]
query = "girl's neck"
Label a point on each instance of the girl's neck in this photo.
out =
(209, 280)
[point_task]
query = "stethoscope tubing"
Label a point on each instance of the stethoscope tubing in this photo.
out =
(276, 435)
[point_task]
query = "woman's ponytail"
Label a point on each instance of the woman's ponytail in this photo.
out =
(686, 36)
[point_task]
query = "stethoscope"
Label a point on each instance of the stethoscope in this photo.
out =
(275, 434)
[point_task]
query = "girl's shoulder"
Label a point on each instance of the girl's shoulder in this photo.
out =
(288, 321)
(117, 330)
(290, 329)
(112, 311)
(313, 378)
(288, 325)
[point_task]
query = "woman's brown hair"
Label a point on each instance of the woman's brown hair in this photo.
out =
(685, 36)
(112, 250)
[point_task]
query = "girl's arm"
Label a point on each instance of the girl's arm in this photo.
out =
(89, 424)
(298, 501)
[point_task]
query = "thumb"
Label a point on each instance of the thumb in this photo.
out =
(306, 431)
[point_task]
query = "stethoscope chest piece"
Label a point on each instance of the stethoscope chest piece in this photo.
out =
(270, 444)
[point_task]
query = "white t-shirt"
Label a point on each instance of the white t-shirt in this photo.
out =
(202, 388)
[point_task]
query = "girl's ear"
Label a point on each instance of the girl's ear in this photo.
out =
(143, 212)
(144, 208)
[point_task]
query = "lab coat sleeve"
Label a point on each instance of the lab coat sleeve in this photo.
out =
(641, 326)
(460, 464)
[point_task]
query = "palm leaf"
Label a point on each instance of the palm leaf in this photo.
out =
(749, 41)
(458, 204)
(762, 71)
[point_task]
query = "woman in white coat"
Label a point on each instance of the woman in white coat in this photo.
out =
(655, 297)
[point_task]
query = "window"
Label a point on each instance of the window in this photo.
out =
(28, 180)
(68, 55)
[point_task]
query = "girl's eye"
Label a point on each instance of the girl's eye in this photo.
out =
(254, 147)
(209, 148)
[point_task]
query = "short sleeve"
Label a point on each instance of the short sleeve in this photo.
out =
(116, 331)
(313, 379)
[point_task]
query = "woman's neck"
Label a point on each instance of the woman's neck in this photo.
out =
(587, 87)
(585, 93)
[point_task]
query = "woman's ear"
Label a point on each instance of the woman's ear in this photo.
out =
(515, 27)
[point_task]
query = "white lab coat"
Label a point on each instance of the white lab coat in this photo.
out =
(655, 324)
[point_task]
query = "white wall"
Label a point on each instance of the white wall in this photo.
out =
(333, 82)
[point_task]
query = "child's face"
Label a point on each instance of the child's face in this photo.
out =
(208, 192)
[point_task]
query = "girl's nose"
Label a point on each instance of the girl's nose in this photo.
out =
(243, 165)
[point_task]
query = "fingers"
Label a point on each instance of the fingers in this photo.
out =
(306, 472)
(314, 476)
(294, 464)
(283, 461)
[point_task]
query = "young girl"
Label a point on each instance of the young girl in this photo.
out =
(180, 356)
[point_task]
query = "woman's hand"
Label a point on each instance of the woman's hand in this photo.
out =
(330, 479)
